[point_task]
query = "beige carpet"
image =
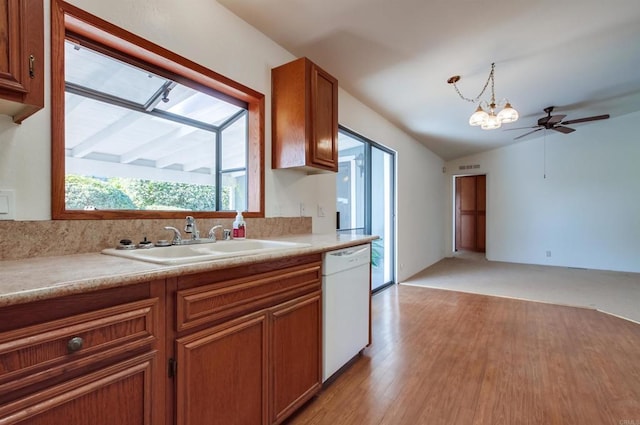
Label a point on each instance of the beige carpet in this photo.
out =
(616, 293)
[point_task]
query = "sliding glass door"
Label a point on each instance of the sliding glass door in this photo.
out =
(366, 199)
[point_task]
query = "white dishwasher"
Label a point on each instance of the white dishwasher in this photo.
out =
(345, 306)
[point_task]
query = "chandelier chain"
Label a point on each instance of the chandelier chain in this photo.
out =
(485, 115)
(486, 84)
(493, 83)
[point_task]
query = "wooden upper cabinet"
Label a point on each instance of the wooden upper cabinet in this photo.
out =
(304, 117)
(21, 58)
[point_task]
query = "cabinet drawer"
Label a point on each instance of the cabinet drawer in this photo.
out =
(48, 350)
(119, 394)
(223, 300)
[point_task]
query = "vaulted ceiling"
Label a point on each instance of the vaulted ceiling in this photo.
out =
(581, 56)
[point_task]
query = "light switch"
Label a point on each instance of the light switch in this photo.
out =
(7, 205)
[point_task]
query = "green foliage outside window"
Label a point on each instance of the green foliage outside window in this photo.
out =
(125, 193)
(377, 251)
(86, 192)
(149, 195)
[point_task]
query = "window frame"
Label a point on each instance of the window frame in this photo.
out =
(68, 21)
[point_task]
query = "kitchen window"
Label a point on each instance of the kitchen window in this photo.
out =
(139, 132)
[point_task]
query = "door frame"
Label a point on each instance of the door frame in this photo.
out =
(368, 146)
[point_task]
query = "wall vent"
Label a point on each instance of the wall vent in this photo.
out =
(469, 167)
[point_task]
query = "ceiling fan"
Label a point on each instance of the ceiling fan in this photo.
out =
(554, 122)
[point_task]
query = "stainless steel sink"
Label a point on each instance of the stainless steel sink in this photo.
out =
(184, 254)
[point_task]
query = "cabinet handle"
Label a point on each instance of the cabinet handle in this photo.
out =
(32, 71)
(75, 344)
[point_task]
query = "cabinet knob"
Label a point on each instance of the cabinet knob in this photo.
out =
(75, 344)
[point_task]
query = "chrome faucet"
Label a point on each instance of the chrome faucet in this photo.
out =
(212, 231)
(177, 238)
(191, 227)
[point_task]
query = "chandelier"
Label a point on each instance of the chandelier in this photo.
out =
(486, 117)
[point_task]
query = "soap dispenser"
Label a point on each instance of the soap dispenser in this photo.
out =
(239, 227)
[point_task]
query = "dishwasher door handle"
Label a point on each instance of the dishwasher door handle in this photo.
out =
(349, 252)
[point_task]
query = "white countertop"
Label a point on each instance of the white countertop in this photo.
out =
(39, 278)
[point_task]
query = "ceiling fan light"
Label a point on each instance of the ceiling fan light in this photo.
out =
(508, 114)
(478, 117)
(491, 123)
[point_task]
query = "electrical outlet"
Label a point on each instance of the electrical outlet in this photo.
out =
(302, 211)
(320, 211)
(7, 204)
(548, 253)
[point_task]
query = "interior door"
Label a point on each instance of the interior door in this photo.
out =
(470, 199)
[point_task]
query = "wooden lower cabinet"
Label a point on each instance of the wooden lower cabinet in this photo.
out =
(248, 343)
(222, 376)
(296, 346)
(238, 346)
(93, 358)
(120, 394)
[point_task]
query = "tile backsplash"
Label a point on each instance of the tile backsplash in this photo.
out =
(26, 239)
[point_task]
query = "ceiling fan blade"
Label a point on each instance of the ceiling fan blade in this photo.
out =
(585, 119)
(526, 134)
(556, 119)
(561, 129)
(520, 128)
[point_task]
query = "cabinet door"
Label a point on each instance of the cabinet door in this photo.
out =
(304, 117)
(324, 113)
(21, 58)
(296, 348)
(222, 374)
(121, 394)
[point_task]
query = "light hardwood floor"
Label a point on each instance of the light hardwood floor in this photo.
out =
(445, 357)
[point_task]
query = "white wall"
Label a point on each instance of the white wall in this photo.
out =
(586, 211)
(207, 33)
